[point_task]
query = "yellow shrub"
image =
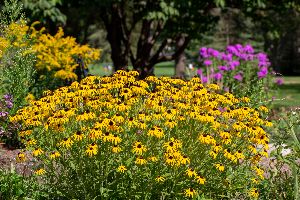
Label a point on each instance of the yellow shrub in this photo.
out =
(58, 54)
(13, 36)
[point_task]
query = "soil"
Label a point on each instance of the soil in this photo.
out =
(8, 160)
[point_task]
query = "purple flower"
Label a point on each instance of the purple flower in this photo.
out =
(207, 62)
(223, 68)
(248, 49)
(218, 76)
(199, 72)
(7, 97)
(204, 79)
(279, 81)
(262, 73)
(213, 52)
(233, 64)
(232, 50)
(238, 77)
(239, 47)
(263, 64)
(3, 114)
(203, 52)
(262, 57)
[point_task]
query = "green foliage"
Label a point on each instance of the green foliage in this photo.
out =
(44, 10)
(285, 168)
(16, 62)
(10, 12)
(14, 186)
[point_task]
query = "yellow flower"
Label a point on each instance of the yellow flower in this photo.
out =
(37, 152)
(115, 139)
(220, 167)
(190, 192)
(201, 180)
(66, 142)
(190, 172)
(184, 160)
(255, 180)
(138, 148)
(160, 179)
(121, 169)
(21, 157)
(153, 158)
(140, 161)
(40, 171)
(92, 150)
(253, 192)
(78, 136)
(54, 154)
(116, 149)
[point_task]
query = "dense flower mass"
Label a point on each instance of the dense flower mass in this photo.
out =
(157, 131)
(238, 69)
(56, 55)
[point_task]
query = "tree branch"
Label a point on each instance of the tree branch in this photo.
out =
(187, 39)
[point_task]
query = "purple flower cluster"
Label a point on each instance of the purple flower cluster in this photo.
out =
(8, 130)
(231, 60)
(5, 104)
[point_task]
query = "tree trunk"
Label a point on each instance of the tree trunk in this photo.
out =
(180, 60)
(119, 55)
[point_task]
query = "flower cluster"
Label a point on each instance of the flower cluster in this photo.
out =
(13, 36)
(237, 67)
(56, 54)
(155, 137)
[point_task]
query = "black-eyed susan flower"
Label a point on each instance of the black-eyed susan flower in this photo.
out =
(106, 137)
(121, 169)
(190, 192)
(78, 136)
(66, 142)
(140, 161)
(184, 160)
(220, 167)
(201, 180)
(40, 171)
(253, 192)
(37, 152)
(255, 180)
(138, 148)
(190, 172)
(30, 142)
(116, 149)
(160, 179)
(213, 154)
(54, 154)
(239, 155)
(21, 157)
(153, 158)
(92, 149)
(115, 139)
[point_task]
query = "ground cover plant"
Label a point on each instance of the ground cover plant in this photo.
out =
(122, 138)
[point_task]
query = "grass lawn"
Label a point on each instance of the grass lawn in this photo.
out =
(288, 94)
(161, 69)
